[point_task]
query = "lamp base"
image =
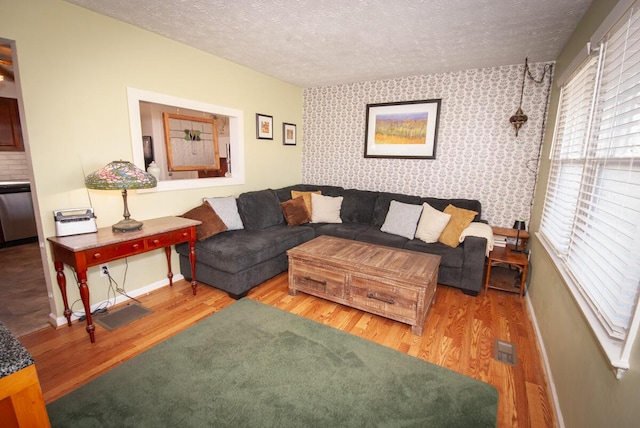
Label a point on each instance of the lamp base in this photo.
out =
(127, 225)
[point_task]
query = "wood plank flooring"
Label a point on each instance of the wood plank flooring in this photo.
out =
(459, 334)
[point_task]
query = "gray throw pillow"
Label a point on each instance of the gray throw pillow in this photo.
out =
(227, 210)
(402, 219)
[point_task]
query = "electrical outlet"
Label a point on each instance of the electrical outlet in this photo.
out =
(104, 269)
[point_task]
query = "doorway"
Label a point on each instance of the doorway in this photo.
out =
(24, 300)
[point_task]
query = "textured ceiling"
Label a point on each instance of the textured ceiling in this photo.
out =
(326, 42)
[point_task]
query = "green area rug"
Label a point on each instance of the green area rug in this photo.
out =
(252, 365)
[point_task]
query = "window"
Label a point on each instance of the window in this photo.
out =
(145, 112)
(592, 205)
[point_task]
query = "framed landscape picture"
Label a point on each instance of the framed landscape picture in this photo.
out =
(264, 126)
(404, 130)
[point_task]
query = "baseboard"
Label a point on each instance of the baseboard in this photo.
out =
(547, 366)
(59, 321)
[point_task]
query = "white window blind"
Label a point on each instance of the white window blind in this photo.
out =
(591, 214)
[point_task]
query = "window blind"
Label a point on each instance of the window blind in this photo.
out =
(592, 205)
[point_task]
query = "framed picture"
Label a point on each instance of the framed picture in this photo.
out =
(404, 130)
(264, 127)
(191, 142)
(288, 134)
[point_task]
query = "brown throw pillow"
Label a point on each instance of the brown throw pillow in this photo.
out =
(460, 219)
(306, 196)
(295, 211)
(211, 225)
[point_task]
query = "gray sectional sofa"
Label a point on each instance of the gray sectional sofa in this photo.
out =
(238, 260)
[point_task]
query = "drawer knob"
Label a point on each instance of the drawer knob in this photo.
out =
(97, 255)
(185, 234)
(382, 299)
(135, 246)
(156, 241)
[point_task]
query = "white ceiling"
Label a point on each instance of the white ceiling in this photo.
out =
(325, 42)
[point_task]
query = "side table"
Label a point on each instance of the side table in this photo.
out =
(504, 255)
(83, 251)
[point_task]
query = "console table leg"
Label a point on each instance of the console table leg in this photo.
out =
(84, 294)
(62, 283)
(167, 252)
(192, 260)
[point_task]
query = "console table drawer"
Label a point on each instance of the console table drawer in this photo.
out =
(392, 301)
(114, 252)
(169, 238)
(317, 280)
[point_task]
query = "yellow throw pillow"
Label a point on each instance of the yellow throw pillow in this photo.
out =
(460, 219)
(306, 196)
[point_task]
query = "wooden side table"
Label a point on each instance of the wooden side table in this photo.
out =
(505, 255)
(83, 251)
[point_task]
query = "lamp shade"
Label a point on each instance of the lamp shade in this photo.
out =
(120, 175)
(519, 225)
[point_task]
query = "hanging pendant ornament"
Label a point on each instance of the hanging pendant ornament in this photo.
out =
(519, 118)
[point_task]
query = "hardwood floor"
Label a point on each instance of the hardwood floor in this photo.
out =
(459, 334)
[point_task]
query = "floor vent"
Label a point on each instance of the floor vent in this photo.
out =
(505, 352)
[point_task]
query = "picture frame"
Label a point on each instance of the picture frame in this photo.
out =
(402, 130)
(289, 137)
(264, 127)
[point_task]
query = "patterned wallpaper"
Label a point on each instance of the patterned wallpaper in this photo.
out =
(477, 155)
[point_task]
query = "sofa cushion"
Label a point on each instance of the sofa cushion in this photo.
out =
(340, 230)
(402, 219)
(227, 209)
(260, 209)
(373, 235)
(358, 205)
(295, 211)
(382, 205)
(238, 250)
(460, 219)
(432, 223)
(325, 209)
(467, 204)
(451, 257)
(211, 223)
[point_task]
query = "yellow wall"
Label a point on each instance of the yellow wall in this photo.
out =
(588, 393)
(75, 66)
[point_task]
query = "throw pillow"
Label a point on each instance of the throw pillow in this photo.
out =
(432, 223)
(227, 209)
(460, 219)
(402, 219)
(306, 196)
(325, 209)
(211, 225)
(295, 211)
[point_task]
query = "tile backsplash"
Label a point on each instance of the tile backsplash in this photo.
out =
(13, 166)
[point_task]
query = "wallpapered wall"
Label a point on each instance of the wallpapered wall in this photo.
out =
(477, 155)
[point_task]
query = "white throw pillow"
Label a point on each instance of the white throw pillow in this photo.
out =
(227, 210)
(325, 209)
(402, 219)
(431, 224)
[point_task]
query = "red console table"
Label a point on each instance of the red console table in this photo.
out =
(83, 251)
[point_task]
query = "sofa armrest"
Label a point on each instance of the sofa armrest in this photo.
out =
(474, 262)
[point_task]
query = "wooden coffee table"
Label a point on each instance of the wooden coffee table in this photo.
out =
(390, 282)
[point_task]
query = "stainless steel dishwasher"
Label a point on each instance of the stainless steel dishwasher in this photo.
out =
(17, 219)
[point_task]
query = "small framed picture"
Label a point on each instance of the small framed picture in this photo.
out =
(288, 134)
(264, 127)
